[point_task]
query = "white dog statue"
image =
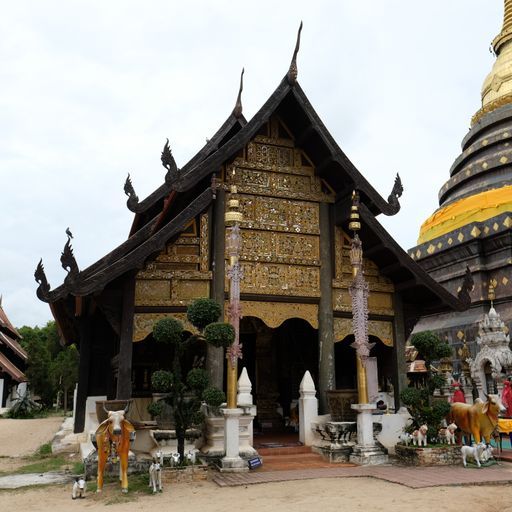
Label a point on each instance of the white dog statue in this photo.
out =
(472, 452)
(191, 456)
(79, 487)
(175, 459)
(487, 454)
(155, 476)
(447, 435)
(405, 438)
(419, 436)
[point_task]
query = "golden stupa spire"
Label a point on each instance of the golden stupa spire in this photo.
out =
(497, 88)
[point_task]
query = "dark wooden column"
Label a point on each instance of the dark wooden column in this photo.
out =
(215, 356)
(84, 330)
(124, 377)
(399, 364)
(327, 378)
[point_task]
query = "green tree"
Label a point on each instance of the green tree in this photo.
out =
(64, 371)
(50, 366)
(419, 401)
(184, 393)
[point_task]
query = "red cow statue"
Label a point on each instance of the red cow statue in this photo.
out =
(113, 441)
(479, 419)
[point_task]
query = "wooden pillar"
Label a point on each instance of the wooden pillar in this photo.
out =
(124, 376)
(215, 356)
(84, 331)
(399, 364)
(327, 379)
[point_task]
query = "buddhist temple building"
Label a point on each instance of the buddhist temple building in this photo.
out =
(294, 185)
(472, 226)
(12, 360)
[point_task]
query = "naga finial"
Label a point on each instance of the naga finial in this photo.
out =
(396, 193)
(169, 163)
(133, 199)
(293, 71)
(68, 261)
(466, 288)
(44, 288)
(237, 111)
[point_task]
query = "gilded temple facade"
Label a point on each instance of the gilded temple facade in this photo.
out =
(294, 185)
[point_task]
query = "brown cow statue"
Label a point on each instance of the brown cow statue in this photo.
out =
(479, 419)
(113, 443)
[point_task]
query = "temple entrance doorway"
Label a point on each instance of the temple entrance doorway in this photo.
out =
(345, 394)
(276, 360)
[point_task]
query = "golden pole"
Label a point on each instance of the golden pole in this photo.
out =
(357, 263)
(233, 217)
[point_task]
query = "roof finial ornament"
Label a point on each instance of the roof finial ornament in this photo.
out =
(293, 71)
(396, 193)
(44, 288)
(237, 111)
(133, 199)
(170, 164)
(68, 261)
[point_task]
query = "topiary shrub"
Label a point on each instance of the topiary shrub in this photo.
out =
(203, 312)
(214, 397)
(197, 379)
(419, 400)
(220, 334)
(168, 330)
(161, 381)
(155, 409)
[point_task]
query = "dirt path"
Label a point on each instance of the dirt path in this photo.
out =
(23, 437)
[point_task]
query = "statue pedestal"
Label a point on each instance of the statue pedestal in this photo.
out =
(366, 452)
(232, 462)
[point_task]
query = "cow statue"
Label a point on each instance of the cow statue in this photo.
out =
(419, 436)
(113, 438)
(155, 476)
(447, 435)
(479, 419)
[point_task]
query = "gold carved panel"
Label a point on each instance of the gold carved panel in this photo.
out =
(204, 244)
(184, 291)
(143, 323)
(152, 291)
(280, 247)
(275, 313)
(276, 279)
(274, 214)
(380, 329)
(268, 154)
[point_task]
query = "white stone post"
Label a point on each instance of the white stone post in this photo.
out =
(245, 402)
(308, 409)
(1, 393)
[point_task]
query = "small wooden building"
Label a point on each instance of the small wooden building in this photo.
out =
(12, 360)
(294, 184)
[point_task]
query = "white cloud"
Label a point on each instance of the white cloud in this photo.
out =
(90, 90)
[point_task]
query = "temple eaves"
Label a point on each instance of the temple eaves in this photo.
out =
(237, 111)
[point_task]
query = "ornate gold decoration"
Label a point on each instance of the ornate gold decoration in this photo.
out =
(277, 279)
(268, 154)
(204, 244)
(152, 291)
(280, 247)
(378, 328)
(143, 323)
(273, 314)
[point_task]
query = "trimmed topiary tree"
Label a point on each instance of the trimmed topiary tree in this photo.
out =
(185, 393)
(420, 400)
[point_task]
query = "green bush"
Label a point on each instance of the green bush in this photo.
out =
(168, 330)
(155, 409)
(410, 396)
(203, 312)
(197, 379)
(213, 396)
(161, 381)
(220, 334)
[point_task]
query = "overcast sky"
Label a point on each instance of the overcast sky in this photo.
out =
(89, 90)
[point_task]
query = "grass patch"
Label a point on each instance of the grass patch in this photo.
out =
(52, 463)
(138, 485)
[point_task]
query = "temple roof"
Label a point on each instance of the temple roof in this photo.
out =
(9, 347)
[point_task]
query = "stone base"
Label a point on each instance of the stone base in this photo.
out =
(368, 456)
(448, 455)
(233, 465)
(333, 455)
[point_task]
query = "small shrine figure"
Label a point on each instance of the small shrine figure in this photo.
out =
(506, 397)
(458, 394)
